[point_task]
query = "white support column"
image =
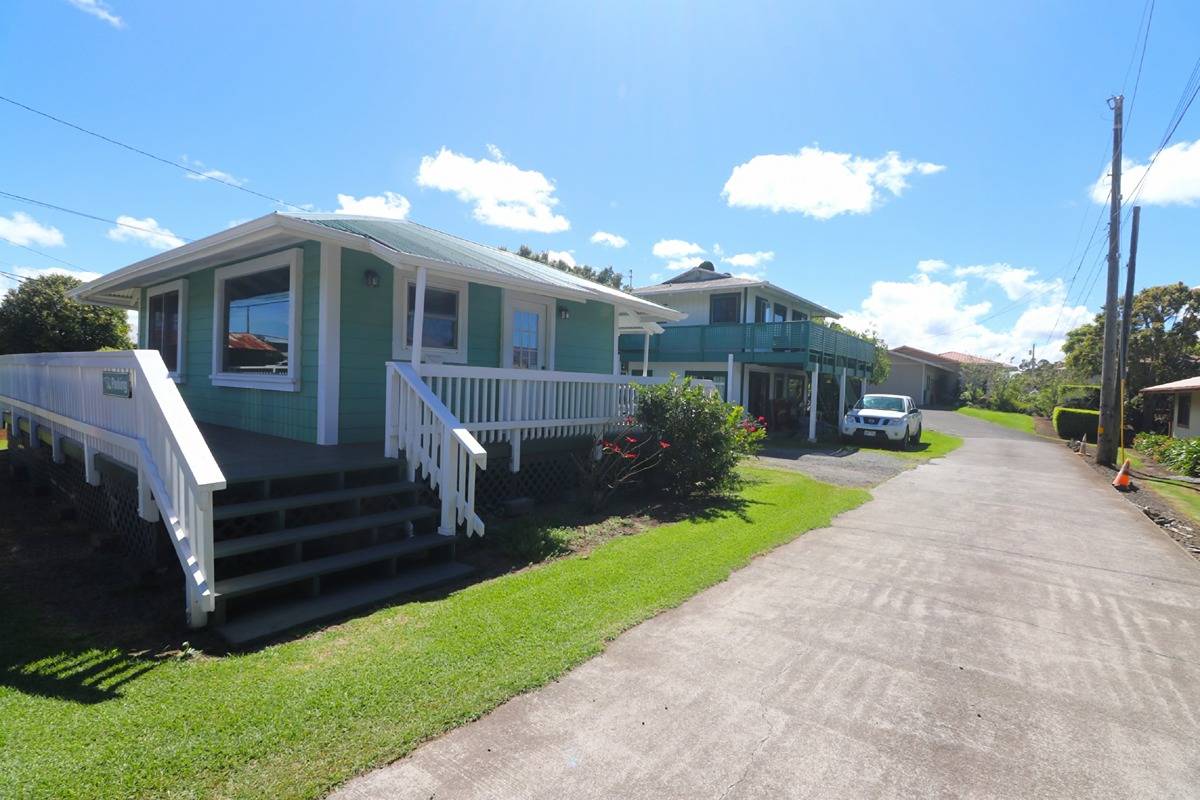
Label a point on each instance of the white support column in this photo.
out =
(616, 342)
(645, 353)
(329, 344)
(729, 378)
(147, 508)
(418, 318)
(91, 473)
(841, 396)
(56, 452)
(813, 382)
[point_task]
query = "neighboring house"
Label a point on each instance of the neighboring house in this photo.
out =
(929, 378)
(287, 364)
(1185, 405)
(758, 343)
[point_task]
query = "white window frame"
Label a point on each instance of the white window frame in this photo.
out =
(400, 348)
(292, 259)
(549, 332)
(179, 286)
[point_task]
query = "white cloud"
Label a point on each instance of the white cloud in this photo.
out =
(1016, 282)
(930, 265)
(678, 254)
(820, 183)
(388, 204)
(145, 230)
(750, 259)
(935, 315)
(24, 230)
(609, 239)
(209, 173)
(504, 195)
(1175, 179)
(100, 10)
(565, 256)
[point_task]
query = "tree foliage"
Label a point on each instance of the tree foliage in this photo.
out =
(882, 365)
(37, 317)
(1163, 344)
(606, 276)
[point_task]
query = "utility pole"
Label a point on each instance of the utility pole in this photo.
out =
(1106, 433)
(1127, 318)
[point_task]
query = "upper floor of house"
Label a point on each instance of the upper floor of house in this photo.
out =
(709, 297)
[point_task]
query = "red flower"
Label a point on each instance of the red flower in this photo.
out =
(631, 440)
(664, 445)
(762, 419)
(629, 455)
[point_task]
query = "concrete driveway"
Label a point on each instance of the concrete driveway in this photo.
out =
(992, 624)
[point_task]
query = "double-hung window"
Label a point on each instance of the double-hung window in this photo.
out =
(165, 324)
(444, 330)
(1183, 410)
(780, 313)
(440, 331)
(256, 323)
(762, 309)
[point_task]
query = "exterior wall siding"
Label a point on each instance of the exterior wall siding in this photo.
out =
(584, 343)
(485, 320)
(366, 328)
(1192, 429)
(292, 415)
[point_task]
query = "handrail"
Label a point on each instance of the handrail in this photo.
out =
(434, 441)
(150, 430)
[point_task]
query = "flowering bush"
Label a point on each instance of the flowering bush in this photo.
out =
(708, 436)
(616, 462)
(1179, 455)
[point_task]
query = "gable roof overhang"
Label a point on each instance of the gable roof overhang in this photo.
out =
(466, 260)
(923, 357)
(735, 284)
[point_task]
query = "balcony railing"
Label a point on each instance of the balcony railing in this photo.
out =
(760, 342)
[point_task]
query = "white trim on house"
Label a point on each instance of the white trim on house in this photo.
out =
(181, 287)
(293, 259)
(329, 344)
(401, 350)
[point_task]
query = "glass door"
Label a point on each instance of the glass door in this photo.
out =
(528, 336)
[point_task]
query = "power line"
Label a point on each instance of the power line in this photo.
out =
(1190, 89)
(169, 162)
(1145, 39)
(85, 215)
(43, 255)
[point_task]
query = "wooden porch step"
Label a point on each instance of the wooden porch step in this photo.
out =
(307, 533)
(260, 625)
(313, 499)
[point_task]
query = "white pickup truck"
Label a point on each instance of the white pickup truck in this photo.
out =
(884, 418)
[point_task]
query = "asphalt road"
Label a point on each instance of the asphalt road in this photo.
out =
(994, 624)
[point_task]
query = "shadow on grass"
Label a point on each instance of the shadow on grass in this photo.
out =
(83, 676)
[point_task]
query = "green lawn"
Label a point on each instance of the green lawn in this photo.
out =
(1009, 419)
(295, 719)
(1184, 499)
(934, 444)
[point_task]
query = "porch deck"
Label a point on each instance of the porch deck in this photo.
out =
(246, 456)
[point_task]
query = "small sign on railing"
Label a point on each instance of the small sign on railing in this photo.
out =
(117, 383)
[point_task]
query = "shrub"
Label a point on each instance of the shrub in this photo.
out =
(708, 436)
(613, 463)
(1178, 455)
(1076, 423)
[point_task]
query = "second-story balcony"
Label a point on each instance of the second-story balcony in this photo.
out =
(801, 343)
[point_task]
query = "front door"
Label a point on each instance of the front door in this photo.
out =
(528, 337)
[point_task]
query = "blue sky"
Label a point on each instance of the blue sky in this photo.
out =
(544, 123)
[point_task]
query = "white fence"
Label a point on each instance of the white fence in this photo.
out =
(441, 415)
(125, 406)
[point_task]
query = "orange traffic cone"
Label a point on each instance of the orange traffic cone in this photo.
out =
(1122, 480)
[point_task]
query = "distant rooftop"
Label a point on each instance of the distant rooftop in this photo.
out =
(967, 358)
(706, 278)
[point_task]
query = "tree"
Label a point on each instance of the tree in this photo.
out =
(37, 317)
(881, 367)
(1163, 344)
(606, 276)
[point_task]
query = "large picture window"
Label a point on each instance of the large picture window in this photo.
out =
(762, 310)
(1183, 410)
(257, 323)
(440, 331)
(164, 324)
(722, 308)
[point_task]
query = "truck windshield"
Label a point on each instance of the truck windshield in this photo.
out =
(876, 402)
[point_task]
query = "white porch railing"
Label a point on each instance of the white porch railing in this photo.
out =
(435, 409)
(435, 442)
(151, 431)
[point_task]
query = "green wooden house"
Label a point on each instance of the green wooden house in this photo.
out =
(318, 402)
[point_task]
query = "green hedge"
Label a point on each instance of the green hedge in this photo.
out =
(1178, 455)
(1076, 423)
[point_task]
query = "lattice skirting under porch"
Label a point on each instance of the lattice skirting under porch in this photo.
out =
(108, 510)
(546, 477)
